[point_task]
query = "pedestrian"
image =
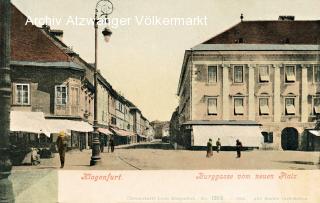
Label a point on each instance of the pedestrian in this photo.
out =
(108, 143)
(239, 148)
(112, 144)
(209, 148)
(102, 141)
(218, 144)
(62, 147)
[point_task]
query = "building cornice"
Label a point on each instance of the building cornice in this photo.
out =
(63, 65)
(256, 47)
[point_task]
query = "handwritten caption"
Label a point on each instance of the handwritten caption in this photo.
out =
(246, 176)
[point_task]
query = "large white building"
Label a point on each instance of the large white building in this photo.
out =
(255, 73)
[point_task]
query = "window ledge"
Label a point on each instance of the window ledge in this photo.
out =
(265, 116)
(21, 105)
(264, 83)
(290, 83)
(237, 84)
(212, 84)
(290, 116)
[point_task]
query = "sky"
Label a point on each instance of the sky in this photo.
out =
(143, 61)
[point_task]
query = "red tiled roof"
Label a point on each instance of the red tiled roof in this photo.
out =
(28, 43)
(270, 32)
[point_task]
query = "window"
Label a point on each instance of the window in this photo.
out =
(290, 74)
(238, 74)
(268, 137)
(119, 106)
(212, 74)
(238, 106)
(263, 106)
(316, 105)
(212, 106)
(22, 95)
(264, 74)
(316, 71)
(113, 121)
(61, 95)
(289, 105)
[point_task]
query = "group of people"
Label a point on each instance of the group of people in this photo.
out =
(210, 147)
(110, 144)
(218, 147)
(62, 146)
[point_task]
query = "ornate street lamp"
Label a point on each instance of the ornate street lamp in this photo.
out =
(6, 193)
(103, 9)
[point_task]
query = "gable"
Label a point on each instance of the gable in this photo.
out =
(28, 43)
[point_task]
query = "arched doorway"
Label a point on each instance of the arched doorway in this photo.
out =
(289, 139)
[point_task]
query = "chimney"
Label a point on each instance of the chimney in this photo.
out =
(57, 33)
(286, 18)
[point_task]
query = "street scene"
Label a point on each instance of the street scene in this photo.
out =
(113, 86)
(144, 157)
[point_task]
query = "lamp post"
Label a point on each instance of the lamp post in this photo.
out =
(6, 193)
(102, 10)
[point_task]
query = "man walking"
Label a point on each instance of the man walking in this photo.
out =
(62, 147)
(218, 144)
(112, 144)
(209, 148)
(102, 142)
(238, 147)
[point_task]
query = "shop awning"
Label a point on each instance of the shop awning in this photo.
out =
(57, 125)
(250, 136)
(105, 131)
(122, 133)
(315, 132)
(30, 122)
(142, 136)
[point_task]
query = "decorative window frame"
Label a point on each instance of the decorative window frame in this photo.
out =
(268, 70)
(290, 96)
(216, 79)
(268, 104)
(55, 95)
(207, 103)
(233, 75)
(16, 94)
(295, 73)
(234, 105)
(314, 66)
(317, 96)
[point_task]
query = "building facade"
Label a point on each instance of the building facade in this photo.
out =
(262, 71)
(48, 77)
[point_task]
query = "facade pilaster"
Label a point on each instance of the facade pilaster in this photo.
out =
(225, 92)
(251, 99)
(276, 94)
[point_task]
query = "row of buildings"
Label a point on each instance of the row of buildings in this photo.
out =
(52, 90)
(258, 81)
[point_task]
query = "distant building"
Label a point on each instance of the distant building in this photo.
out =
(262, 71)
(161, 128)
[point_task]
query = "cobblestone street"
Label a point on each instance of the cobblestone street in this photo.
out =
(158, 159)
(29, 181)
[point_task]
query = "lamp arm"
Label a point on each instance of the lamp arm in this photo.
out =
(105, 9)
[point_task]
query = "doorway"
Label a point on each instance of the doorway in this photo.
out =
(289, 139)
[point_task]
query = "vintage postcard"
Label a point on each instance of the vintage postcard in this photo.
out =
(149, 101)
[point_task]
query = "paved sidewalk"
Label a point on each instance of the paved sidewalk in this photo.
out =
(33, 186)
